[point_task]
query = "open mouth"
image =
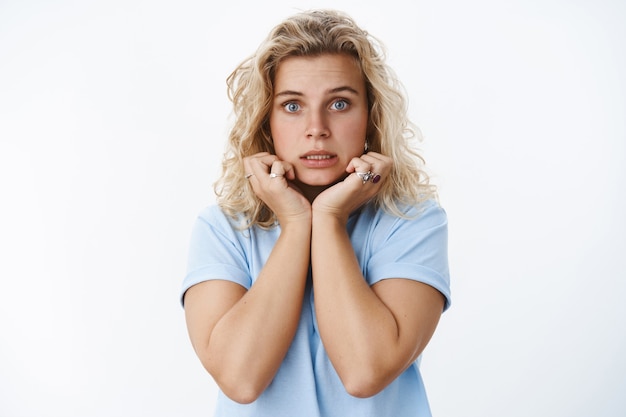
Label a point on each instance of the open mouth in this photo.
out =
(318, 157)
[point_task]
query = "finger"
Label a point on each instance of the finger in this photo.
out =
(378, 163)
(258, 164)
(375, 158)
(370, 169)
(358, 164)
(290, 172)
(277, 168)
(265, 163)
(380, 167)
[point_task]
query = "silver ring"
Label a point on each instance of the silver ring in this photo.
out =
(273, 175)
(365, 176)
(248, 176)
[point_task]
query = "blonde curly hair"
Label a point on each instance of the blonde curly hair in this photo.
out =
(250, 88)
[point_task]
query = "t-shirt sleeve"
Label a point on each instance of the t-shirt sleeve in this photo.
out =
(415, 248)
(215, 252)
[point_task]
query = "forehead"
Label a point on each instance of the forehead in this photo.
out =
(327, 70)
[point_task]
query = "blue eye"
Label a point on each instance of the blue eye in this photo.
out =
(340, 104)
(291, 107)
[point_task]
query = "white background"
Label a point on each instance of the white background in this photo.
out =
(113, 116)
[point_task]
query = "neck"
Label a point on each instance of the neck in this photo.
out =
(311, 191)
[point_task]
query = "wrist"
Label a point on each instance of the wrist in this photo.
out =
(329, 219)
(296, 222)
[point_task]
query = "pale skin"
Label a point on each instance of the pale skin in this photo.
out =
(371, 334)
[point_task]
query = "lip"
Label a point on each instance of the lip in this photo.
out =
(318, 159)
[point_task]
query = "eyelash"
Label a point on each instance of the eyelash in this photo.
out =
(289, 103)
(341, 100)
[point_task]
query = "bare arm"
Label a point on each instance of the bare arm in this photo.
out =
(241, 337)
(371, 334)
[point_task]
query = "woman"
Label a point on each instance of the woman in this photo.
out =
(319, 277)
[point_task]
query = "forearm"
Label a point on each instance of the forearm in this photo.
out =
(248, 343)
(359, 332)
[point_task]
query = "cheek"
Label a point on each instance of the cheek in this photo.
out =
(358, 134)
(278, 147)
(283, 137)
(276, 134)
(281, 146)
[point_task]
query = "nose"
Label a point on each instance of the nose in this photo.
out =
(317, 126)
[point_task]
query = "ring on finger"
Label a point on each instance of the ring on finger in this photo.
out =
(369, 175)
(365, 176)
(274, 175)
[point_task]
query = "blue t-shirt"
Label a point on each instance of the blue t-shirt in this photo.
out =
(306, 384)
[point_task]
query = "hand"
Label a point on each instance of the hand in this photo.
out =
(270, 180)
(346, 196)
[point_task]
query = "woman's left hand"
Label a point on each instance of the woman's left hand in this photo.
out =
(346, 196)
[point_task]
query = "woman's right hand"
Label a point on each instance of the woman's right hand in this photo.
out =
(242, 335)
(270, 180)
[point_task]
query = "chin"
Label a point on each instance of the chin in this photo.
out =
(322, 180)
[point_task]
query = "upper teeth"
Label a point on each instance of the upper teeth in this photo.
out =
(318, 156)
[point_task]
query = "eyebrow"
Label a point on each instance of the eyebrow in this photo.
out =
(331, 91)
